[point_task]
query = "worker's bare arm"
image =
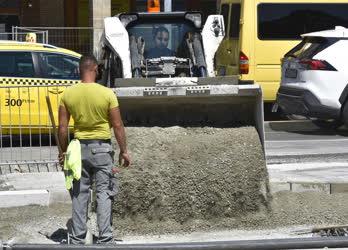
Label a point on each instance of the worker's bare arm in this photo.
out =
(63, 120)
(117, 124)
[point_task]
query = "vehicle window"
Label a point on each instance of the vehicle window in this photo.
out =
(16, 64)
(58, 66)
(235, 21)
(289, 21)
(310, 46)
(163, 39)
(224, 12)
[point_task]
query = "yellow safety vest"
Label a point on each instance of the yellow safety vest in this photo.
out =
(72, 163)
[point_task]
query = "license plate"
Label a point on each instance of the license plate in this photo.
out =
(291, 73)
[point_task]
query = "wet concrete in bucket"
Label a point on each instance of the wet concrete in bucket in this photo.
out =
(180, 175)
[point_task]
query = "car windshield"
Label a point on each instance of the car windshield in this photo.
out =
(163, 38)
(59, 66)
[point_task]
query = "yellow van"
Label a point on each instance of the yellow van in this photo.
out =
(260, 32)
(28, 73)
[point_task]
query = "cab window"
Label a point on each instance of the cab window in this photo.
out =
(58, 66)
(225, 8)
(235, 21)
(16, 64)
(165, 38)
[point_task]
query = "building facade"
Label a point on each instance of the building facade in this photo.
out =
(58, 17)
(77, 13)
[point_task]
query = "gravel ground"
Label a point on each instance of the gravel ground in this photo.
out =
(186, 180)
(289, 211)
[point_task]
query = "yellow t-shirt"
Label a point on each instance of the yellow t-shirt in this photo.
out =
(89, 105)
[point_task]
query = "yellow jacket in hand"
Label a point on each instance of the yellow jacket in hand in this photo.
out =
(72, 163)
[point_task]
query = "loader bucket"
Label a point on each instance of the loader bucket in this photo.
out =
(192, 102)
(195, 158)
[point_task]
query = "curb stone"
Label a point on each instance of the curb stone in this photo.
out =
(298, 187)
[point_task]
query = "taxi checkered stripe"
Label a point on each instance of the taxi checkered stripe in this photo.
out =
(34, 82)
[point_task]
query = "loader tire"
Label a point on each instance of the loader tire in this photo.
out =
(345, 113)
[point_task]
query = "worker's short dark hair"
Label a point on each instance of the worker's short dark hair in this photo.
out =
(160, 29)
(86, 62)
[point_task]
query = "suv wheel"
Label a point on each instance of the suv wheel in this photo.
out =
(328, 124)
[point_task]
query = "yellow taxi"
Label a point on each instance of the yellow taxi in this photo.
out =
(28, 73)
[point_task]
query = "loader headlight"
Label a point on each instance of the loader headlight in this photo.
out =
(195, 17)
(128, 18)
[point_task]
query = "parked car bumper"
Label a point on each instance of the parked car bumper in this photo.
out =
(294, 101)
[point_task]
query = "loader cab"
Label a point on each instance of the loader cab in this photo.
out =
(160, 43)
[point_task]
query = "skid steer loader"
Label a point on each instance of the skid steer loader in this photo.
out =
(181, 89)
(197, 138)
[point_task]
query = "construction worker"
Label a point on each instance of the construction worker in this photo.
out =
(94, 108)
(161, 40)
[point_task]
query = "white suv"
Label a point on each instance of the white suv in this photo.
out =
(314, 81)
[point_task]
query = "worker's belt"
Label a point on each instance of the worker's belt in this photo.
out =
(87, 141)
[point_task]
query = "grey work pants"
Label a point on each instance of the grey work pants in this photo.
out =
(97, 161)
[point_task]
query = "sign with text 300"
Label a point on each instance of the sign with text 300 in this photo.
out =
(16, 102)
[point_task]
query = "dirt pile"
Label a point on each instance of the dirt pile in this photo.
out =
(183, 174)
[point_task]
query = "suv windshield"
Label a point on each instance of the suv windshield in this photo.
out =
(310, 46)
(163, 39)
